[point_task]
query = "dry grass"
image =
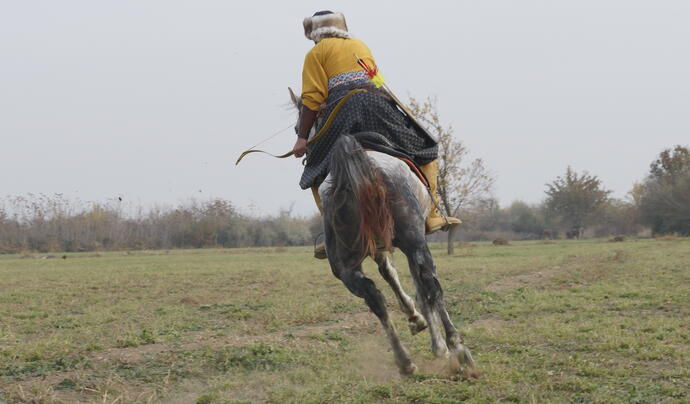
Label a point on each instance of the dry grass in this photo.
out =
(567, 321)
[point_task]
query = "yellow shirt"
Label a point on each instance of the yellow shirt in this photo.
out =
(329, 58)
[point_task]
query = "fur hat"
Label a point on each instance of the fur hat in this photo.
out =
(325, 24)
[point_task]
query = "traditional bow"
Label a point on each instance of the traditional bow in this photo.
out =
(316, 137)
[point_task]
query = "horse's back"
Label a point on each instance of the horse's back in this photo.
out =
(399, 173)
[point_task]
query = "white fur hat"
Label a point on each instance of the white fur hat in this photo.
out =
(325, 24)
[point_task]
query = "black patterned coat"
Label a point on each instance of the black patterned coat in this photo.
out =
(370, 111)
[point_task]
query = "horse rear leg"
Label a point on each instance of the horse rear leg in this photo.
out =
(363, 287)
(458, 350)
(415, 320)
(431, 293)
(428, 292)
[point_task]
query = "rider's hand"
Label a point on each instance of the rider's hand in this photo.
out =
(300, 147)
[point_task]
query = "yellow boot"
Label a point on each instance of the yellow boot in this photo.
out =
(436, 221)
(319, 249)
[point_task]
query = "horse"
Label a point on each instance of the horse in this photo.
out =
(372, 202)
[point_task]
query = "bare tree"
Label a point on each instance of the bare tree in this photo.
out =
(462, 183)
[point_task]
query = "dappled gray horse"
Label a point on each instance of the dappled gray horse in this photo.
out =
(373, 202)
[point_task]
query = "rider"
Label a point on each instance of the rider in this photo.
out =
(330, 72)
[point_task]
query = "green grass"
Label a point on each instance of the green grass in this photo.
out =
(569, 321)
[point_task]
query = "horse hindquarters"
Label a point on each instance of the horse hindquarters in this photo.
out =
(356, 216)
(346, 266)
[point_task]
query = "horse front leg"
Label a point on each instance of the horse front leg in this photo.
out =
(415, 320)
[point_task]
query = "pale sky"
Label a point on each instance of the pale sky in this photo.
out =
(153, 101)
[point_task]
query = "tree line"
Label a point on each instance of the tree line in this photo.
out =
(46, 223)
(574, 205)
(578, 204)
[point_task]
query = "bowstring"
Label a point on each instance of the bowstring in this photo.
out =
(292, 125)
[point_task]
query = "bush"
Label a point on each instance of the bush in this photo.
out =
(664, 197)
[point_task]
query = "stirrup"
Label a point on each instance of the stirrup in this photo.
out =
(320, 251)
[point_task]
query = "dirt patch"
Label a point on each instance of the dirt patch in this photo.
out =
(488, 323)
(43, 389)
(373, 360)
(49, 389)
(350, 322)
(190, 300)
(528, 279)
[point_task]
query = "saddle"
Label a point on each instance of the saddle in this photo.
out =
(372, 141)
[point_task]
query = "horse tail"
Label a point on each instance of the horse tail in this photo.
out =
(355, 178)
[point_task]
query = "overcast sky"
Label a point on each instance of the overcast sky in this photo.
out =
(152, 101)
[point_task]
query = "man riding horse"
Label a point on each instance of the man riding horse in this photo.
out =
(333, 68)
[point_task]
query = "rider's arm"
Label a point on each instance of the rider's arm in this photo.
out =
(314, 93)
(306, 121)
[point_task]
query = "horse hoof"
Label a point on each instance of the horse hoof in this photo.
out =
(417, 325)
(408, 370)
(464, 356)
(440, 351)
(460, 361)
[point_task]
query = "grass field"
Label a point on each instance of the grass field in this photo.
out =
(566, 321)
